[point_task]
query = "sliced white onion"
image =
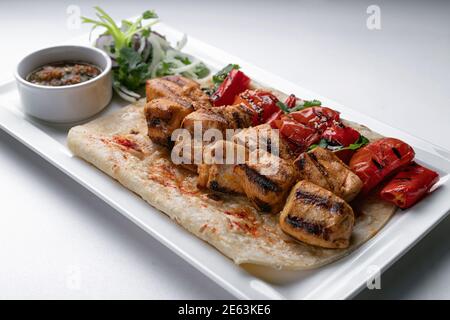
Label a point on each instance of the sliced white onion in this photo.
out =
(157, 53)
(126, 96)
(186, 67)
(182, 42)
(142, 46)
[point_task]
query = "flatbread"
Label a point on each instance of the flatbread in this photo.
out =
(229, 223)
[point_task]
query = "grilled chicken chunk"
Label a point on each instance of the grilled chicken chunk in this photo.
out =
(316, 216)
(266, 182)
(215, 174)
(163, 117)
(177, 88)
(325, 169)
(221, 118)
(265, 138)
(170, 100)
(264, 178)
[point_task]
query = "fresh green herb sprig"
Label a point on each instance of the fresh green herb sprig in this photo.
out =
(132, 71)
(122, 36)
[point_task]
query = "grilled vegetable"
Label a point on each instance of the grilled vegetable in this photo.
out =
(380, 159)
(318, 118)
(235, 83)
(274, 118)
(338, 137)
(316, 216)
(220, 76)
(297, 134)
(263, 103)
(409, 186)
(290, 103)
(324, 168)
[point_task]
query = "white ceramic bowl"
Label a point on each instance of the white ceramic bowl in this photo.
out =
(70, 103)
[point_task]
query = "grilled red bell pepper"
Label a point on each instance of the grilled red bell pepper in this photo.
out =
(273, 118)
(235, 83)
(297, 134)
(263, 103)
(318, 118)
(340, 135)
(290, 102)
(380, 159)
(409, 186)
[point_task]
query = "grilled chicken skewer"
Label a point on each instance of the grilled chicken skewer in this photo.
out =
(314, 212)
(177, 88)
(170, 100)
(219, 118)
(264, 178)
(326, 170)
(265, 138)
(316, 216)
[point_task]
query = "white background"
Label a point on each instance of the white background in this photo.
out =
(58, 241)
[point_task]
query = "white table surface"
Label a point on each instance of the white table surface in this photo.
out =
(58, 241)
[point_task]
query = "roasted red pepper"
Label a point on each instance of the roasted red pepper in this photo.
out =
(318, 118)
(263, 103)
(409, 186)
(273, 119)
(235, 83)
(340, 135)
(297, 134)
(290, 102)
(380, 159)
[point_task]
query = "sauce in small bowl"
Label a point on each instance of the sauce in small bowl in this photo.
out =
(64, 84)
(64, 73)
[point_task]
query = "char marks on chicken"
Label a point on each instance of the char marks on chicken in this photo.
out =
(169, 100)
(318, 217)
(325, 169)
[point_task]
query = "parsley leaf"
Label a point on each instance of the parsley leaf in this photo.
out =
(201, 70)
(149, 14)
(165, 69)
(132, 71)
(184, 60)
(362, 141)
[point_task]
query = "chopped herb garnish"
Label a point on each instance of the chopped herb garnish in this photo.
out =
(302, 105)
(362, 141)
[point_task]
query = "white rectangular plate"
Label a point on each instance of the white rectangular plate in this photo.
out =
(339, 280)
